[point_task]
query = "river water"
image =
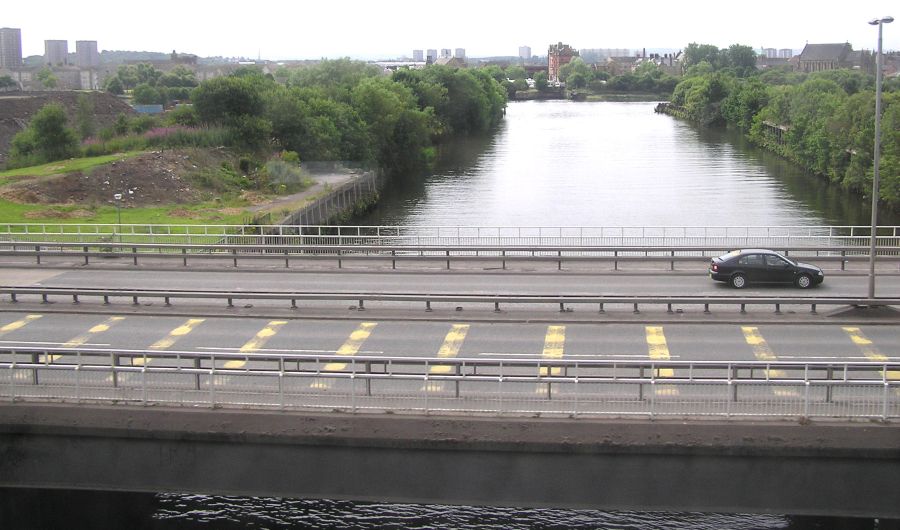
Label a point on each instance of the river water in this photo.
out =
(563, 163)
(554, 163)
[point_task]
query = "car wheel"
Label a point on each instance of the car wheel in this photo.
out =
(738, 281)
(804, 281)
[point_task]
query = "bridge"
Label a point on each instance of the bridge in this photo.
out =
(571, 367)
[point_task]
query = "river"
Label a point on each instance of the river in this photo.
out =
(551, 163)
(611, 164)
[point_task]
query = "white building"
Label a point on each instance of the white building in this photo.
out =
(525, 52)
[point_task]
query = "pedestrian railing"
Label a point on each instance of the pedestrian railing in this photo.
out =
(480, 386)
(723, 236)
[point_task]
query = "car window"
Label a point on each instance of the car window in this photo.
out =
(753, 260)
(775, 261)
(726, 257)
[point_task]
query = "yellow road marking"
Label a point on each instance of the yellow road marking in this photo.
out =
(350, 347)
(554, 346)
(450, 348)
(763, 352)
(173, 336)
(257, 342)
(870, 350)
(18, 324)
(85, 337)
(658, 350)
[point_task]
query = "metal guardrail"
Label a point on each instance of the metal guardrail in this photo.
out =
(562, 301)
(511, 386)
(725, 236)
(435, 253)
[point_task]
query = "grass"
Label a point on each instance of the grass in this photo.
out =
(209, 212)
(64, 166)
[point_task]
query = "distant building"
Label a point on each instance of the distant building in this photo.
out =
(431, 56)
(771, 53)
(601, 55)
(525, 52)
(86, 54)
(459, 53)
(455, 62)
(56, 52)
(10, 48)
(558, 55)
(819, 57)
(445, 53)
(785, 53)
(418, 56)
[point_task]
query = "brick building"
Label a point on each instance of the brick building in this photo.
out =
(558, 55)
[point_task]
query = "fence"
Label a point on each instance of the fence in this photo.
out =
(583, 388)
(724, 236)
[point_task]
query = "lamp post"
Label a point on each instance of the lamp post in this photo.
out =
(875, 177)
(118, 198)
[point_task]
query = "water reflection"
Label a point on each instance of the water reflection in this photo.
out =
(560, 163)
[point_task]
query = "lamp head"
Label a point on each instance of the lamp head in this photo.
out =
(882, 20)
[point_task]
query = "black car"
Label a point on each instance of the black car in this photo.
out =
(740, 267)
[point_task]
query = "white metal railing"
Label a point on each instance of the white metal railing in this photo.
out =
(510, 386)
(730, 236)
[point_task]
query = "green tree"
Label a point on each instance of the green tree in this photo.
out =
(540, 81)
(178, 77)
(224, 100)
(7, 83)
(47, 137)
(742, 59)
(697, 53)
(114, 85)
(47, 78)
(144, 94)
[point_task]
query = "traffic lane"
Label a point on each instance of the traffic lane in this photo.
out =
(618, 284)
(714, 342)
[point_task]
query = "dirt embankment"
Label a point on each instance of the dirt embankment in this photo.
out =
(17, 109)
(149, 179)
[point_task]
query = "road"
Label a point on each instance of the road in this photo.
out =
(537, 332)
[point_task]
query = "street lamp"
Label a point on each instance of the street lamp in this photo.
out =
(118, 198)
(875, 177)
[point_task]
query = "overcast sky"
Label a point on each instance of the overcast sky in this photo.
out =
(373, 29)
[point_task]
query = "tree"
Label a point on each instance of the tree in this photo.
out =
(540, 81)
(741, 58)
(226, 99)
(114, 86)
(697, 53)
(8, 83)
(144, 94)
(46, 77)
(47, 137)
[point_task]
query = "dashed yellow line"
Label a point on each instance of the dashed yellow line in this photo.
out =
(658, 350)
(86, 337)
(763, 352)
(554, 346)
(166, 342)
(257, 342)
(99, 328)
(18, 324)
(450, 348)
(870, 350)
(350, 348)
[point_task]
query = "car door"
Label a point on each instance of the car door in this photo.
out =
(754, 266)
(778, 269)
